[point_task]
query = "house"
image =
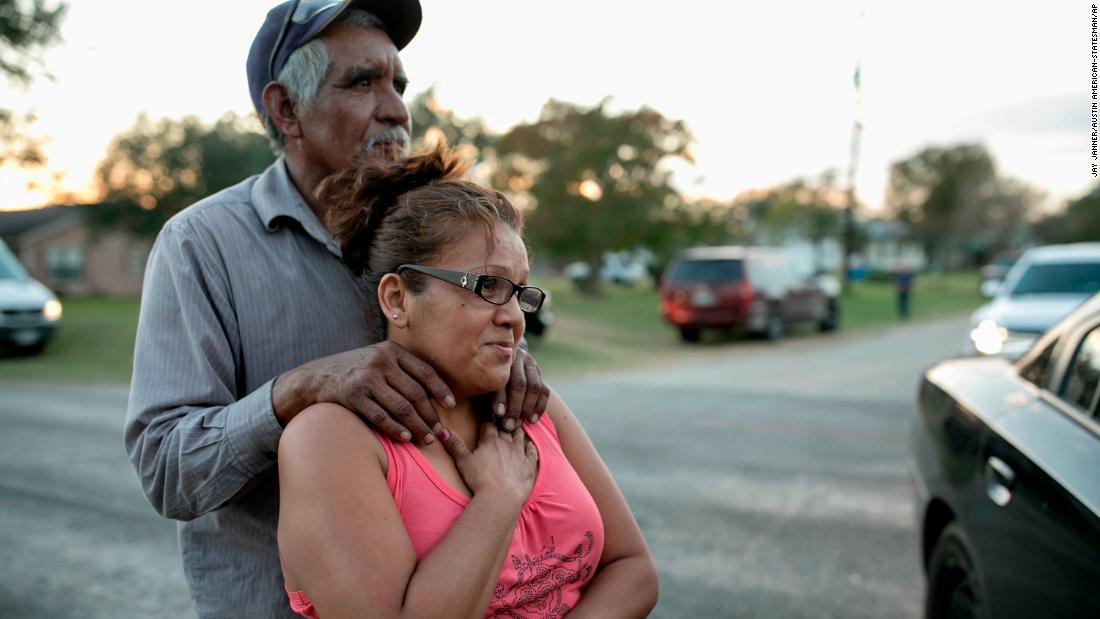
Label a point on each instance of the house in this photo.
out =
(61, 249)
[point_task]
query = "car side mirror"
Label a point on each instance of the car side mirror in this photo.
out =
(989, 288)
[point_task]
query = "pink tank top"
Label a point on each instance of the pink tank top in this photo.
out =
(556, 546)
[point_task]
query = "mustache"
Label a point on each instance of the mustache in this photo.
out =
(395, 135)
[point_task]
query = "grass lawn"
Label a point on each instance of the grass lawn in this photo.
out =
(621, 328)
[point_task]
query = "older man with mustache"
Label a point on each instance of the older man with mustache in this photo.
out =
(249, 316)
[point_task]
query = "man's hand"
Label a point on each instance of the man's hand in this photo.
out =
(525, 396)
(383, 383)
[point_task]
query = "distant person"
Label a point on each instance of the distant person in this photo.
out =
(527, 524)
(249, 315)
(903, 283)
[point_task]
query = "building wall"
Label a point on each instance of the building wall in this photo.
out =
(111, 262)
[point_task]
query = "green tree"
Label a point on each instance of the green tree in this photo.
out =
(594, 179)
(27, 28)
(1078, 222)
(430, 121)
(934, 191)
(154, 169)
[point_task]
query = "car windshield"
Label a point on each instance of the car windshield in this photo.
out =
(1082, 277)
(9, 266)
(707, 271)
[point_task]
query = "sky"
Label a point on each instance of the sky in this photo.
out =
(765, 87)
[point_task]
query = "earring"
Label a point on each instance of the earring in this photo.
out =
(395, 315)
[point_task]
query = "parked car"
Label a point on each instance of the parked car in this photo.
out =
(1006, 463)
(1044, 285)
(29, 312)
(993, 274)
(625, 268)
(756, 288)
(538, 322)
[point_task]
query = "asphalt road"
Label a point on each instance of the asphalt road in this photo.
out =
(770, 481)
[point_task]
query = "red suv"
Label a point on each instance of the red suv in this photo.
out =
(758, 289)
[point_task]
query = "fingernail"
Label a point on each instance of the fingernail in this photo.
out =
(405, 436)
(449, 401)
(428, 439)
(443, 434)
(500, 409)
(436, 428)
(509, 425)
(534, 418)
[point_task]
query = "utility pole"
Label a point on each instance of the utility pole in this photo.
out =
(853, 163)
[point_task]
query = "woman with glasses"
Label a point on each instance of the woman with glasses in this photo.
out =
(483, 521)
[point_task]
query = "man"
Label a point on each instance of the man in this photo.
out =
(249, 315)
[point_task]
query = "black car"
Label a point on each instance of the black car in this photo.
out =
(1007, 471)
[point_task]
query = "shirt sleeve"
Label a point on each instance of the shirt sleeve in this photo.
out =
(195, 440)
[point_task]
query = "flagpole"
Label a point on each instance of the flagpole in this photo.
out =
(853, 162)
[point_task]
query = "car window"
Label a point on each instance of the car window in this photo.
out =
(707, 271)
(1036, 370)
(9, 266)
(1074, 278)
(1084, 374)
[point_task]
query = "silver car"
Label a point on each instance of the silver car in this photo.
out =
(1044, 285)
(29, 312)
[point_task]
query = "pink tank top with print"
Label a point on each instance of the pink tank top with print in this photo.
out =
(558, 538)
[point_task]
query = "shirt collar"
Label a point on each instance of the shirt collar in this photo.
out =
(274, 197)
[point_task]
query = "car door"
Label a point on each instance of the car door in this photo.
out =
(1039, 532)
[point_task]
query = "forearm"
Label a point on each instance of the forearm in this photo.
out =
(293, 392)
(191, 459)
(457, 577)
(626, 587)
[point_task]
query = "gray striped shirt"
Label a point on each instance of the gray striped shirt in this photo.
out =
(239, 288)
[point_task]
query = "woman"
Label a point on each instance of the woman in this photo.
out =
(481, 522)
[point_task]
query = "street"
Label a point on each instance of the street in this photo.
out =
(770, 480)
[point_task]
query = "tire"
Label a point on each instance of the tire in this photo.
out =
(954, 587)
(690, 334)
(831, 318)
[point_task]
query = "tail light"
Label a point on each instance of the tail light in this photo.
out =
(746, 292)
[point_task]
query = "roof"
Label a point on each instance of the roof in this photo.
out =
(14, 224)
(1073, 252)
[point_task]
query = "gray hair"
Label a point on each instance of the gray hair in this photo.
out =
(306, 67)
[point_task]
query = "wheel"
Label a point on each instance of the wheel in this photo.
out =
(773, 329)
(954, 588)
(689, 334)
(829, 321)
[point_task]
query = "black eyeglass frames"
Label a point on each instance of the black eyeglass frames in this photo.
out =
(493, 288)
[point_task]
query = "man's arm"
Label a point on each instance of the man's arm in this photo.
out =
(193, 438)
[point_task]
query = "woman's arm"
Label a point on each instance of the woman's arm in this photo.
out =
(341, 537)
(626, 579)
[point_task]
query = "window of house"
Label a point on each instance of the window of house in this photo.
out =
(1084, 374)
(64, 263)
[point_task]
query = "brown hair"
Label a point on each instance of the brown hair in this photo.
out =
(407, 212)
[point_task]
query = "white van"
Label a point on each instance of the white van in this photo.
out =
(29, 312)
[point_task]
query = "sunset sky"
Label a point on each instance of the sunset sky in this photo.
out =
(766, 88)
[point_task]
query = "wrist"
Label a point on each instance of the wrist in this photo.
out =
(291, 394)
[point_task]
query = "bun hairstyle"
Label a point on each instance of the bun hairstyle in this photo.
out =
(385, 214)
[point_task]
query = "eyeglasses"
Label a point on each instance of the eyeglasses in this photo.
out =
(493, 288)
(300, 12)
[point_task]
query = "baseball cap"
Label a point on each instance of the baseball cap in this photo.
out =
(294, 23)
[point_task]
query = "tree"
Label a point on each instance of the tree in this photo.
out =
(931, 192)
(593, 179)
(430, 121)
(26, 29)
(153, 170)
(1079, 222)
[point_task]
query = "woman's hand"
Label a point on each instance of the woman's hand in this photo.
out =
(503, 462)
